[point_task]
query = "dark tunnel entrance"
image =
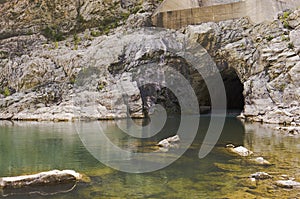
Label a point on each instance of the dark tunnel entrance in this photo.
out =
(234, 90)
(154, 94)
(157, 94)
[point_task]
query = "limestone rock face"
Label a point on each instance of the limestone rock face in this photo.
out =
(85, 75)
(27, 17)
(95, 81)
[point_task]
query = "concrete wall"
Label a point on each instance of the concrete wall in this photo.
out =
(217, 2)
(179, 18)
(257, 11)
(171, 5)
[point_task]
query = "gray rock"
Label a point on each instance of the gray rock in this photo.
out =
(290, 184)
(260, 161)
(173, 139)
(43, 178)
(170, 142)
(260, 176)
(240, 150)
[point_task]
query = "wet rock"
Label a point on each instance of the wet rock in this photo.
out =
(43, 178)
(260, 161)
(240, 150)
(173, 139)
(260, 176)
(169, 142)
(293, 129)
(164, 143)
(290, 184)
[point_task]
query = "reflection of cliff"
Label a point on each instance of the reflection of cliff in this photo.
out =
(278, 148)
(176, 15)
(34, 147)
(49, 190)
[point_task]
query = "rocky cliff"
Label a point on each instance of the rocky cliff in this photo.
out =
(61, 61)
(266, 59)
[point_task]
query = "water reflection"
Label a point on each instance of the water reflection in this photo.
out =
(30, 147)
(278, 147)
(34, 191)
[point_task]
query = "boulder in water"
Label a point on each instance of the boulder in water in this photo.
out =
(290, 184)
(260, 176)
(261, 161)
(240, 150)
(168, 142)
(43, 178)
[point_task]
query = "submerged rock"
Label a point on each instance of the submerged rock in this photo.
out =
(290, 184)
(260, 176)
(260, 161)
(228, 167)
(240, 150)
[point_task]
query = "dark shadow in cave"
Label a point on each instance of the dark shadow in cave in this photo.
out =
(157, 94)
(154, 94)
(234, 90)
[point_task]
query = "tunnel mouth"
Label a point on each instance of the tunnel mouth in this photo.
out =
(234, 91)
(233, 88)
(154, 93)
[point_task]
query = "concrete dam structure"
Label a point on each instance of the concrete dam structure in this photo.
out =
(175, 14)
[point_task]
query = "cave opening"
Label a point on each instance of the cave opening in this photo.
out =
(157, 94)
(154, 94)
(234, 90)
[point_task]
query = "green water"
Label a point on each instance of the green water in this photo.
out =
(30, 147)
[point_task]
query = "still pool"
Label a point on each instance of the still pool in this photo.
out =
(31, 147)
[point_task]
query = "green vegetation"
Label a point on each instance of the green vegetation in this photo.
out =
(107, 24)
(286, 14)
(95, 33)
(76, 41)
(291, 45)
(101, 86)
(80, 19)
(56, 44)
(269, 38)
(53, 33)
(72, 79)
(286, 24)
(3, 54)
(282, 87)
(285, 38)
(284, 19)
(135, 9)
(6, 92)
